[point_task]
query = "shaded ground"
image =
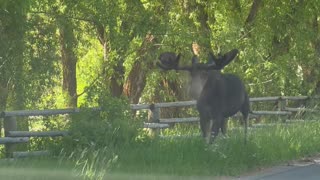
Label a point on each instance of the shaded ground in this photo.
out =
(307, 169)
(14, 173)
(159, 177)
(309, 172)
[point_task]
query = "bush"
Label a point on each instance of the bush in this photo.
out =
(95, 137)
(111, 127)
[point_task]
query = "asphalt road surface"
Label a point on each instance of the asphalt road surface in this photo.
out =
(296, 171)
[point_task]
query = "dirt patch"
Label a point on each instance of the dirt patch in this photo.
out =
(315, 159)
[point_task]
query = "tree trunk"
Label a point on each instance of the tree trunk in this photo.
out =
(317, 52)
(3, 102)
(205, 31)
(69, 61)
(116, 79)
(136, 80)
(12, 84)
(135, 83)
(19, 95)
(251, 17)
(253, 12)
(202, 18)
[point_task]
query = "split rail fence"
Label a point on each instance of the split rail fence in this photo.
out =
(155, 122)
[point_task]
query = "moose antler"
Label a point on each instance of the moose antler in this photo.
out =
(169, 61)
(222, 61)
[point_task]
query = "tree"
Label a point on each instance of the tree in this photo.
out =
(69, 61)
(12, 74)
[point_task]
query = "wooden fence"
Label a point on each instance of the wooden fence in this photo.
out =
(155, 122)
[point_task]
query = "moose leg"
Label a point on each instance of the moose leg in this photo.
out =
(203, 123)
(206, 122)
(218, 122)
(208, 131)
(245, 113)
(224, 126)
(245, 120)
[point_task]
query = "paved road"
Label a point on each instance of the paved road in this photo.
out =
(298, 171)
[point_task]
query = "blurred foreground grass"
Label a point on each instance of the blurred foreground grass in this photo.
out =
(184, 157)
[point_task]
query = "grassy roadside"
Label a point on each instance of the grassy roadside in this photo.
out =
(36, 169)
(177, 158)
(227, 156)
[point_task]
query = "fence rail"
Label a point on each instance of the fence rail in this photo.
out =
(13, 136)
(21, 154)
(36, 134)
(8, 140)
(45, 112)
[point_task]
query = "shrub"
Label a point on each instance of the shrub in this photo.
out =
(111, 127)
(95, 136)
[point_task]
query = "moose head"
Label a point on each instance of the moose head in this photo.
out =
(218, 95)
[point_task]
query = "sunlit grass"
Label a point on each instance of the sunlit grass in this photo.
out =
(178, 157)
(227, 155)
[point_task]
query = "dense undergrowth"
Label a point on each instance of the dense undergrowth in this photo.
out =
(227, 155)
(188, 155)
(110, 141)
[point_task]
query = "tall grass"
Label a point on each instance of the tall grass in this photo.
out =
(174, 156)
(226, 156)
(90, 163)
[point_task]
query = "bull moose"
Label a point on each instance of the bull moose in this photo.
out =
(218, 95)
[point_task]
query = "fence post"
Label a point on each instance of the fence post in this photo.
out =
(311, 102)
(9, 124)
(3, 103)
(281, 104)
(281, 107)
(154, 116)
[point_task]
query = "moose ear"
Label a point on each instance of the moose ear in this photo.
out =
(228, 57)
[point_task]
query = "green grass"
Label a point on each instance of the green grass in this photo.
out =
(36, 169)
(178, 158)
(227, 156)
(35, 174)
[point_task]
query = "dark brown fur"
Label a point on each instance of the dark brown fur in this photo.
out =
(218, 95)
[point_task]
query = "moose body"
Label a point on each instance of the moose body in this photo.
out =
(218, 95)
(222, 96)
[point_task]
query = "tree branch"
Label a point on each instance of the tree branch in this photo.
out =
(253, 12)
(65, 16)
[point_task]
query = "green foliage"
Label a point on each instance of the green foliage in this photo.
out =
(182, 156)
(95, 137)
(91, 163)
(278, 50)
(112, 127)
(189, 155)
(279, 55)
(50, 123)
